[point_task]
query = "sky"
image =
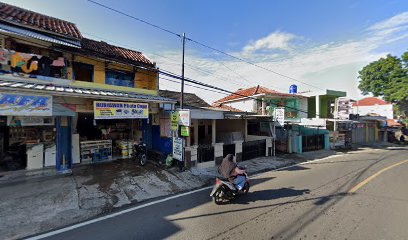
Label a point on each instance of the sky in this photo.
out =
(315, 44)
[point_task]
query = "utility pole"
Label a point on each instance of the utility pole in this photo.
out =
(183, 160)
(182, 73)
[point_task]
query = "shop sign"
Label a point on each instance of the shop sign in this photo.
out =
(120, 110)
(184, 131)
(178, 148)
(180, 117)
(343, 106)
(25, 105)
(279, 114)
(184, 118)
(174, 120)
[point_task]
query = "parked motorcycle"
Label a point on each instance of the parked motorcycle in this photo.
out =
(140, 153)
(225, 191)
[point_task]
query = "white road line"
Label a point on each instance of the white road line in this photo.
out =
(52, 233)
(69, 228)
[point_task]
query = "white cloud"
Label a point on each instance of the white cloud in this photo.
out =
(332, 65)
(395, 21)
(275, 40)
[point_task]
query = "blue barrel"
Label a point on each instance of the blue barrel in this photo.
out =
(293, 89)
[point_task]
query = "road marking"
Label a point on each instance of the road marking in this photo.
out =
(82, 224)
(355, 188)
(52, 233)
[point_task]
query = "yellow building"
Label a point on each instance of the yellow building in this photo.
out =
(66, 99)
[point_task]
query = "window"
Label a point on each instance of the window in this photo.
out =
(83, 72)
(118, 78)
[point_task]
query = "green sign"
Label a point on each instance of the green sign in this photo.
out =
(184, 131)
(174, 118)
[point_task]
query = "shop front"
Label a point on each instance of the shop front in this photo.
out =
(109, 131)
(35, 133)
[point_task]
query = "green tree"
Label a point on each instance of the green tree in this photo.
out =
(387, 78)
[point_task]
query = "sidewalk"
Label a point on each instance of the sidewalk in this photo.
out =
(37, 204)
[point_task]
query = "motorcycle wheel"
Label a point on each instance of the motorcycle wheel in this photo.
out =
(246, 188)
(218, 197)
(143, 160)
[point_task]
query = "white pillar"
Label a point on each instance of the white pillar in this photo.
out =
(317, 106)
(214, 131)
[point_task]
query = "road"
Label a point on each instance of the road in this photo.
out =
(310, 201)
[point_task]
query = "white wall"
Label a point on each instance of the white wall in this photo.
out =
(246, 105)
(382, 110)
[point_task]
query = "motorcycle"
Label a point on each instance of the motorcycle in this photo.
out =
(224, 191)
(140, 153)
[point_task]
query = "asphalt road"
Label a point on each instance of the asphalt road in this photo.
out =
(310, 201)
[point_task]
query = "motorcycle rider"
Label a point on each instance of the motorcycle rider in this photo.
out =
(230, 170)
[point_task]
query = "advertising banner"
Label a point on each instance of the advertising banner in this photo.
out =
(343, 106)
(178, 148)
(25, 105)
(280, 116)
(184, 118)
(120, 110)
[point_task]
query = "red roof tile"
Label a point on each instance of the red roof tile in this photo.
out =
(370, 101)
(241, 93)
(225, 107)
(23, 17)
(114, 51)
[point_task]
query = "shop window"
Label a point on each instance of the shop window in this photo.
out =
(118, 78)
(83, 72)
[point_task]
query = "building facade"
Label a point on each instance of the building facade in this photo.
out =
(66, 99)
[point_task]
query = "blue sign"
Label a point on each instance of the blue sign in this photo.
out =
(25, 105)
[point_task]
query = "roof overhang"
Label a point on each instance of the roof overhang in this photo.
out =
(53, 89)
(22, 32)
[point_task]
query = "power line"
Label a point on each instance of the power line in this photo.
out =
(135, 18)
(251, 63)
(174, 62)
(169, 74)
(202, 44)
(173, 75)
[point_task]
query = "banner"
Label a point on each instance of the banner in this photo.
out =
(280, 116)
(343, 106)
(178, 148)
(120, 110)
(25, 105)
(184, 118)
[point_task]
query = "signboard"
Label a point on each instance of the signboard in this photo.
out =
(343, 106)
(184, 118)
(185, 131)
(120, 110)
(174, 118)
(279, 115)
(25, 105)
(178, 148)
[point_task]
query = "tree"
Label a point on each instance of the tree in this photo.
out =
(387, 78)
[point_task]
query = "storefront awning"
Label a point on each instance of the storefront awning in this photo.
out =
(60, 111)
(14, 84)
(32, 34)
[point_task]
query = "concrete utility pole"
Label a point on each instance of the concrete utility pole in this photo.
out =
(182, 73)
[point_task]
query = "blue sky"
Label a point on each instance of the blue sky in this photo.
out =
(322, 43)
